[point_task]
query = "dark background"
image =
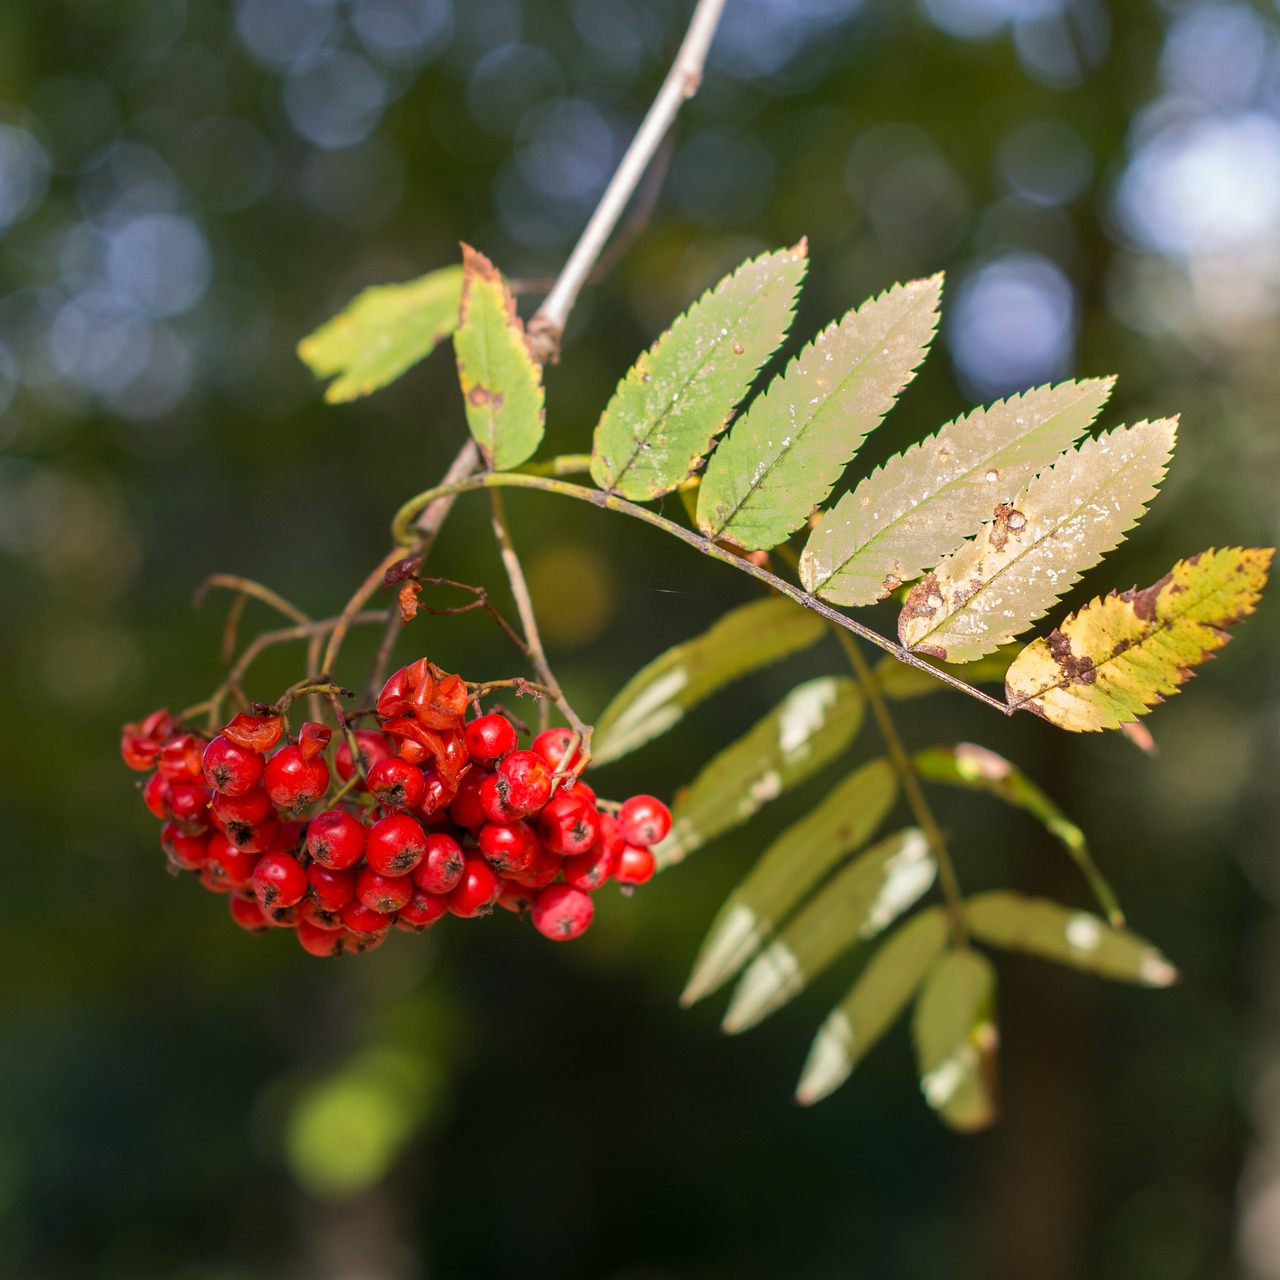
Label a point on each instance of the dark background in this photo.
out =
(185, 191)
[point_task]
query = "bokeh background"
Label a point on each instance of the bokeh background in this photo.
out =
(186, 188)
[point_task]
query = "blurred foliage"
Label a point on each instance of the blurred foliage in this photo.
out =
(188, 189)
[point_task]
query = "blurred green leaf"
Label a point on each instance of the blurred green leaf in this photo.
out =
(681, 393)
(882, 991)
(858, 902)
(657, 697)
(785, 873)
(786, 452)
(900, 682)
(812, 725)
(382, 332)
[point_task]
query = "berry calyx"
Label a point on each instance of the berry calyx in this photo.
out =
(395, 845)
(396, 784)
(383, 893)
(422, 911)
(441, 865)
(509, 848)
(335, 839)
(569, 824)
(279, 881)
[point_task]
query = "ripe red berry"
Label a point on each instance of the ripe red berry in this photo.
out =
(279, 881)
(644, 820)
(292, 781)
(245, 810)
(561, 912)
(335, 839)
(359, 943)
(237, 865)
(155, 795)
(188, 805)
(544, 870)
(248, 914)
(476, 892)
(508, 847)
(568, 824)
(635, 865)
(213, 878)
(383, 893)
(441, 866)
(260, 837)
(437, 795)
(185, 852)
(309, 910)
(373, 747)
(494, 793)
(312, 739)
(179, 759)
(516, 897)
(528, 779)
(553, 746)
(588, 871)
(396, 784)
(360, 919)
(422, 911)
(330, 890)
(319, 941)
(466, 808)
(230, 769)
(140, 743)
(395, 845)
(489, 738)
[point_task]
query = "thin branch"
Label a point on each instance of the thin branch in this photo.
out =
(353, 607)
(247, 586)
(546, 328)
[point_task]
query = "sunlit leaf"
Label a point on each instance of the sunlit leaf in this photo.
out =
(1122, 654)
(812, 725)
(382, 332)
(899, 681)
(1071, 937)
(858, 902)
(975, 768)
(1036, 547)
(783, 455)
(681, 393)
(501, 382)
(658, 696)
(956, 1040)
(922, 504)
(882, 991)
(792, 865)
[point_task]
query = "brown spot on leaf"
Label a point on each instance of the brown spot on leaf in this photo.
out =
(891, 583)
(1074, 670)
(738, 348)
(1143, 602)
(923, 601)
(1008, 520)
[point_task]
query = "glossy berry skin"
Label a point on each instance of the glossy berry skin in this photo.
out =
(544, 870)
(437, 795)
(330, 890)
(395, 845)
(235, 816)
(383, 893)
(310, 911)
(185, 852)
(491, 737)
(516, 897)
(335, 839)
(528, 781)
(373, 747)
(568, 824)
(248, 914)
(611, 836)
(237, 865)
(396, 784)
(493, 800)
(644, 820)
(155, 795)
(562, 913)
(635, 866)
(466, 808)
(588, 871)
(230, 769)
(509, 847)
(476, 892)
(188, 805)
(553, 746)
(318, 941)
(258, 838)
(179, 759)
(422, 911)
(292, 781)
(441, 866)
(360, 919)
(213, 878)
(279, 881)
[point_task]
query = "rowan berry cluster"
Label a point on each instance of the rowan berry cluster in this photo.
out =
(441, 816)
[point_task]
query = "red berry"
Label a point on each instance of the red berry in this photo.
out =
(155, 795)
(383, 893)
(644, 820)
(441, 866)
(212, 876)
(318, 941)
(179, 759)
(312, 739)
(544, 870)
(230, 769)
(237, 865)
(279, 881)
(576, 787)
(284, 917)
(466, 809)
(255, 733)
(140, 743)
(335, 839)
(185, 852)
(635, 865)
(516, 897)
(365, 920)
(310, 911)
(569, 824)
(245, 810)
(476, 892)
(293, 781)
(396, 784)
(422, 911)
(561, 912)
(611, 836)
(359, 943)
(588, 871)
(249, 915)
(373, 747)
(553, 745)
(528, 779)
(509, 847)
(494, 793)
(188, 804)
(330, 890)
(491, 737)
(395, 845)
(437, 795)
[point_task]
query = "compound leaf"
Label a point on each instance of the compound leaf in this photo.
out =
(382, 332)
(658, 696)
(882, 991)
(956, 1039)
(681, 393)
(858, 902)
(812, 725)
(904, 517)
(1067, 936)
(785, 873)
(501, 382)
(784, 454)
(1122, 654)
(1065, 521)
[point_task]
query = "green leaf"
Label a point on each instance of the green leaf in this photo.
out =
(658, 696)
(858, 902)
(784, 454)
(1063, 934)
(900, 682)
(956, 1039)
(977, 769)
(921, 505)
(501, 382)
(874, 1003)
(382, 332)
(791, 866)
(1066, 520)
(681, 393)
(1120, 655)
(812, 725)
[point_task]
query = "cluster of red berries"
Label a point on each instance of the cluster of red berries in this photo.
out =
(448, 816)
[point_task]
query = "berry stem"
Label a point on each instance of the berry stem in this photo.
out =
(353, 606)
(565, 464)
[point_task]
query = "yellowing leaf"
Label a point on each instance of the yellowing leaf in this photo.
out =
(680, 394)
(1122, 654)
(783, 455)
(382, 332)
(787, 870)
(1068, 518)
(1075, 938)
(658, 696)
(501, 382)
(883, 990)
(921, 505)
(859, 901)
